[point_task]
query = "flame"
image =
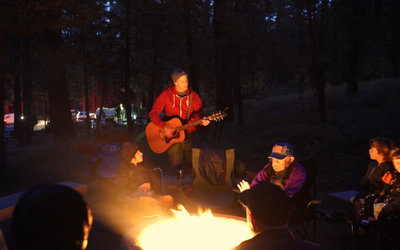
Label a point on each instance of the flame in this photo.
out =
(185, 231)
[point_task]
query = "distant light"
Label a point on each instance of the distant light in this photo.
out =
(22, 117)
(271, 18)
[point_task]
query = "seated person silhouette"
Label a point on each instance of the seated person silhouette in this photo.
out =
(51, 217)
(267, 214)
(135, 188)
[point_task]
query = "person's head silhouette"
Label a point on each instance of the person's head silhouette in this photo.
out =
(51, 217)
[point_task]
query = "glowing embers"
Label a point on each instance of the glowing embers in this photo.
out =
(185, 231)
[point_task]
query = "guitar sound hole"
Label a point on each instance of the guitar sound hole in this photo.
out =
(175, 136)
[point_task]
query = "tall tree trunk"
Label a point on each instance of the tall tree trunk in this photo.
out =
(353, 61)
(127, 69)
(236, 72)
(395, 41)
(189, 45)
(17, 89)
(102, 99)
(151, 95)
(238, 92)
(316, 67)
(353, 49)
(218, 8)
(26, 128)
(221, 56)
(223, 92)
(60, 114)
(335, 69)
(2, 78)
(86, 90)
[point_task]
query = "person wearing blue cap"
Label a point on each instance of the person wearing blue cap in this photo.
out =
(282, 170)
(267, 214)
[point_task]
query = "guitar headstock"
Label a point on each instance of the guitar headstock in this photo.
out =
(218, 116)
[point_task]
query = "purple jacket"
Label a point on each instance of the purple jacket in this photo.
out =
(296, 177)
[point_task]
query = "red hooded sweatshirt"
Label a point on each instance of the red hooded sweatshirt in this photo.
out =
(176, 106)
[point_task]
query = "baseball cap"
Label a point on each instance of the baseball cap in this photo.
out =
(281, 150)
(267, 203)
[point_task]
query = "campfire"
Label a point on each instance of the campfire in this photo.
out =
(197, 231)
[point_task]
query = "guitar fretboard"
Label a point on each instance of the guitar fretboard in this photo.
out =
(186, 126)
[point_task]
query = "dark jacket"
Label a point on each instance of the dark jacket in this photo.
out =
(372, 182)
(130, 177)
(390, 194)
(276, 239)
(294, 181)
(176, 106)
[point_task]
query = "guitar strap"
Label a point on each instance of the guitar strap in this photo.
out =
(189, 107)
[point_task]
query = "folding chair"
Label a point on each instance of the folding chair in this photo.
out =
(157, 181)
(103, 168)
(303, 217)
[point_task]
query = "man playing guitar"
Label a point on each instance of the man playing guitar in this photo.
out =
(178, 101)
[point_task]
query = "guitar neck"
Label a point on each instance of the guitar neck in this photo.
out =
(188, 125)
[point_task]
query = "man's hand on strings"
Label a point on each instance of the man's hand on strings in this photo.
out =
(243, 185)
(205, 122)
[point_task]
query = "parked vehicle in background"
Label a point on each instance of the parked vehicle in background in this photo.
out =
(108, 113)
(82, 115)
(74, 113)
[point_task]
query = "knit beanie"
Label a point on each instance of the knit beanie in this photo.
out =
(128, 151)
(176, 73)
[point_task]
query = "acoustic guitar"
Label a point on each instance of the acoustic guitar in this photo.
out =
(160, 143)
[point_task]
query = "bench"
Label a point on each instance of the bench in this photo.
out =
(8, 202)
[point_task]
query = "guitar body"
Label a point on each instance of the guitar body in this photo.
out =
(157, 142)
